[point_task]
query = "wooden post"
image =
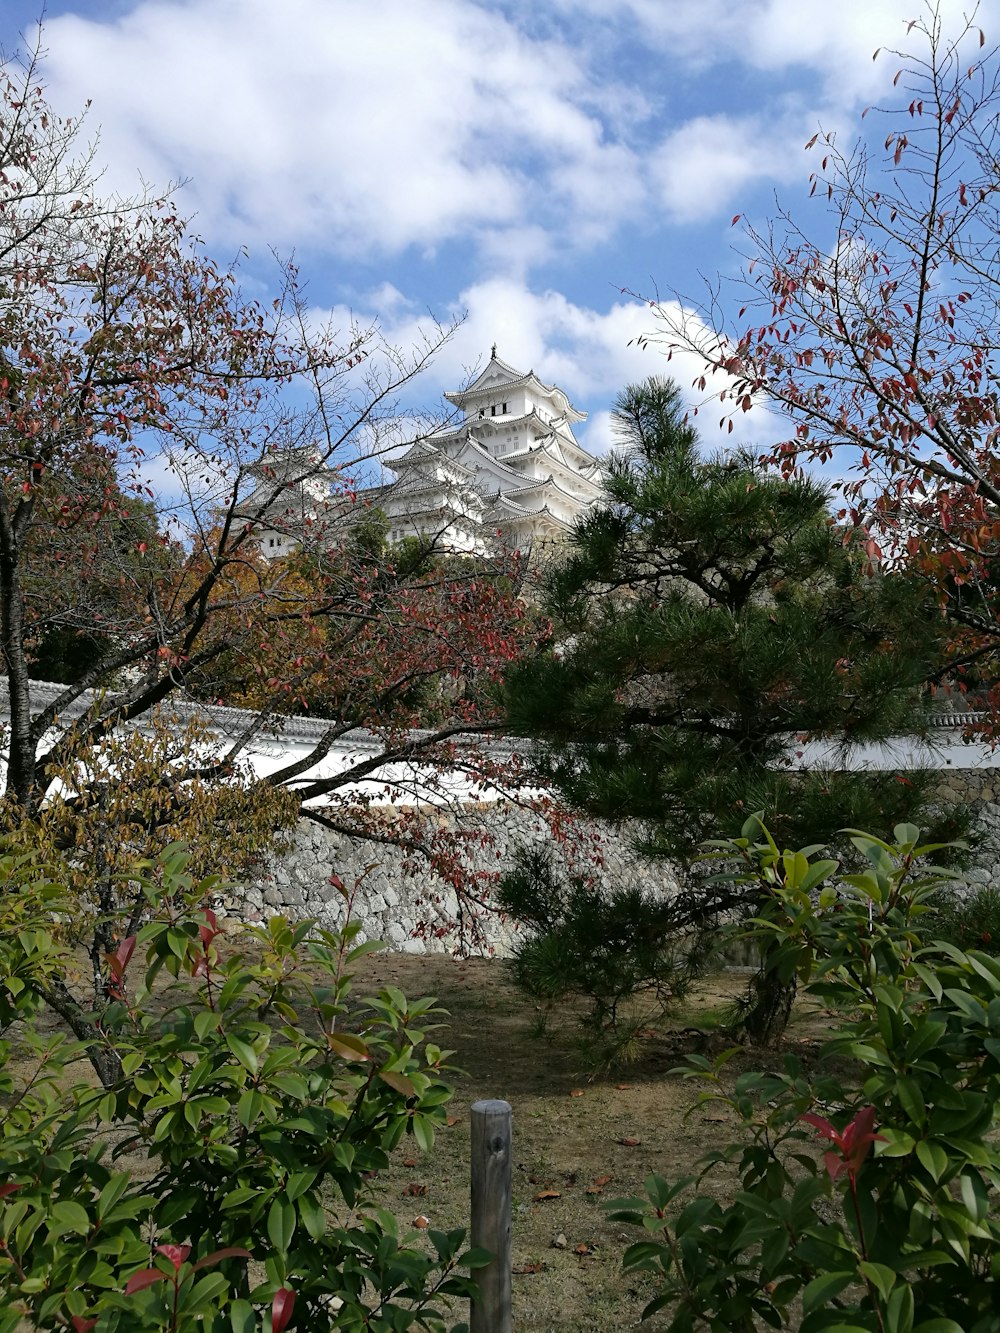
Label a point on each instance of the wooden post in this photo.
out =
(491, 1209)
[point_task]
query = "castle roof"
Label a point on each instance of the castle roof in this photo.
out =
(499, 375)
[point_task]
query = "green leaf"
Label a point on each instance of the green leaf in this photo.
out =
(68, 1216)
(423, 1132)
(818, 871)
(242, 1318)
(899, 1310)
(822, 1289)
(112, 1192)
(896, 1143)
(911, 1098)
(298, 1183)
(348, 1046)
(883, 1278)
(238, 1197)
(243, 1051)
(312, 1214)
(933, 1158)
(281, 1225)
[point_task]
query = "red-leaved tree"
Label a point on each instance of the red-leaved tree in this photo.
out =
(126, 353)
(873, 326)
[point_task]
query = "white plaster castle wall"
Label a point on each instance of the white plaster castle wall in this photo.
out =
(401, 901)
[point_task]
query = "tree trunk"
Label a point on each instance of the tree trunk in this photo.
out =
(768, 1006)
(21, 780)
(104, 1058)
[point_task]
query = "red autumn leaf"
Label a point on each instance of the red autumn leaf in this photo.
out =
(850, 1145)
(576, 1092)
(147, 1277)
(628, 1143)
(414, 1189)
(8, 1189)
(281, 1309)
(118, 961)
(175, 1253)
(217, 1256)
(524, 1269)
(81, 1325)
(547, 1194)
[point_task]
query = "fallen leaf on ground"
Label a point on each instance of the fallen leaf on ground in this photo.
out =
(583, 1248)
(452, 1121)
(523, 1269)
(409, 1161)
(576, 1092)
(414, 1189)
(624, 1087)
(547, 1194)
(421, 1222)
(628, 1143)
(598, 1186)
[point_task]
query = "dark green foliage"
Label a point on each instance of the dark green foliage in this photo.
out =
(614, 946)
(709, 616)
(711, 621)
(970, 920)
(867, 1188)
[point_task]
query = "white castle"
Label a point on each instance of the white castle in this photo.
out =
(510, 470)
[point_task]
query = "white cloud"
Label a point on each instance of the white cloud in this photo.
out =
(702, 166)
(591, 354)
(349, 125)
(834, 41)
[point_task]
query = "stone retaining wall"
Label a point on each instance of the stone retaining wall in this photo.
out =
(400, 900)
(978, 789)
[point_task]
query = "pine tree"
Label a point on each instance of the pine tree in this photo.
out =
(709, 621)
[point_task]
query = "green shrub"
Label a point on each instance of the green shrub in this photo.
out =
(867, 1198)
(260, 1107)
(630, 954)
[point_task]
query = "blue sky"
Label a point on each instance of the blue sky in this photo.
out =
(519, 163)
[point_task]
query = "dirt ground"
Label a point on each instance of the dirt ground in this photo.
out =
(577, 1141)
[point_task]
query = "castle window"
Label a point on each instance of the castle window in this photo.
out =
(503, 408)
(493, 409)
